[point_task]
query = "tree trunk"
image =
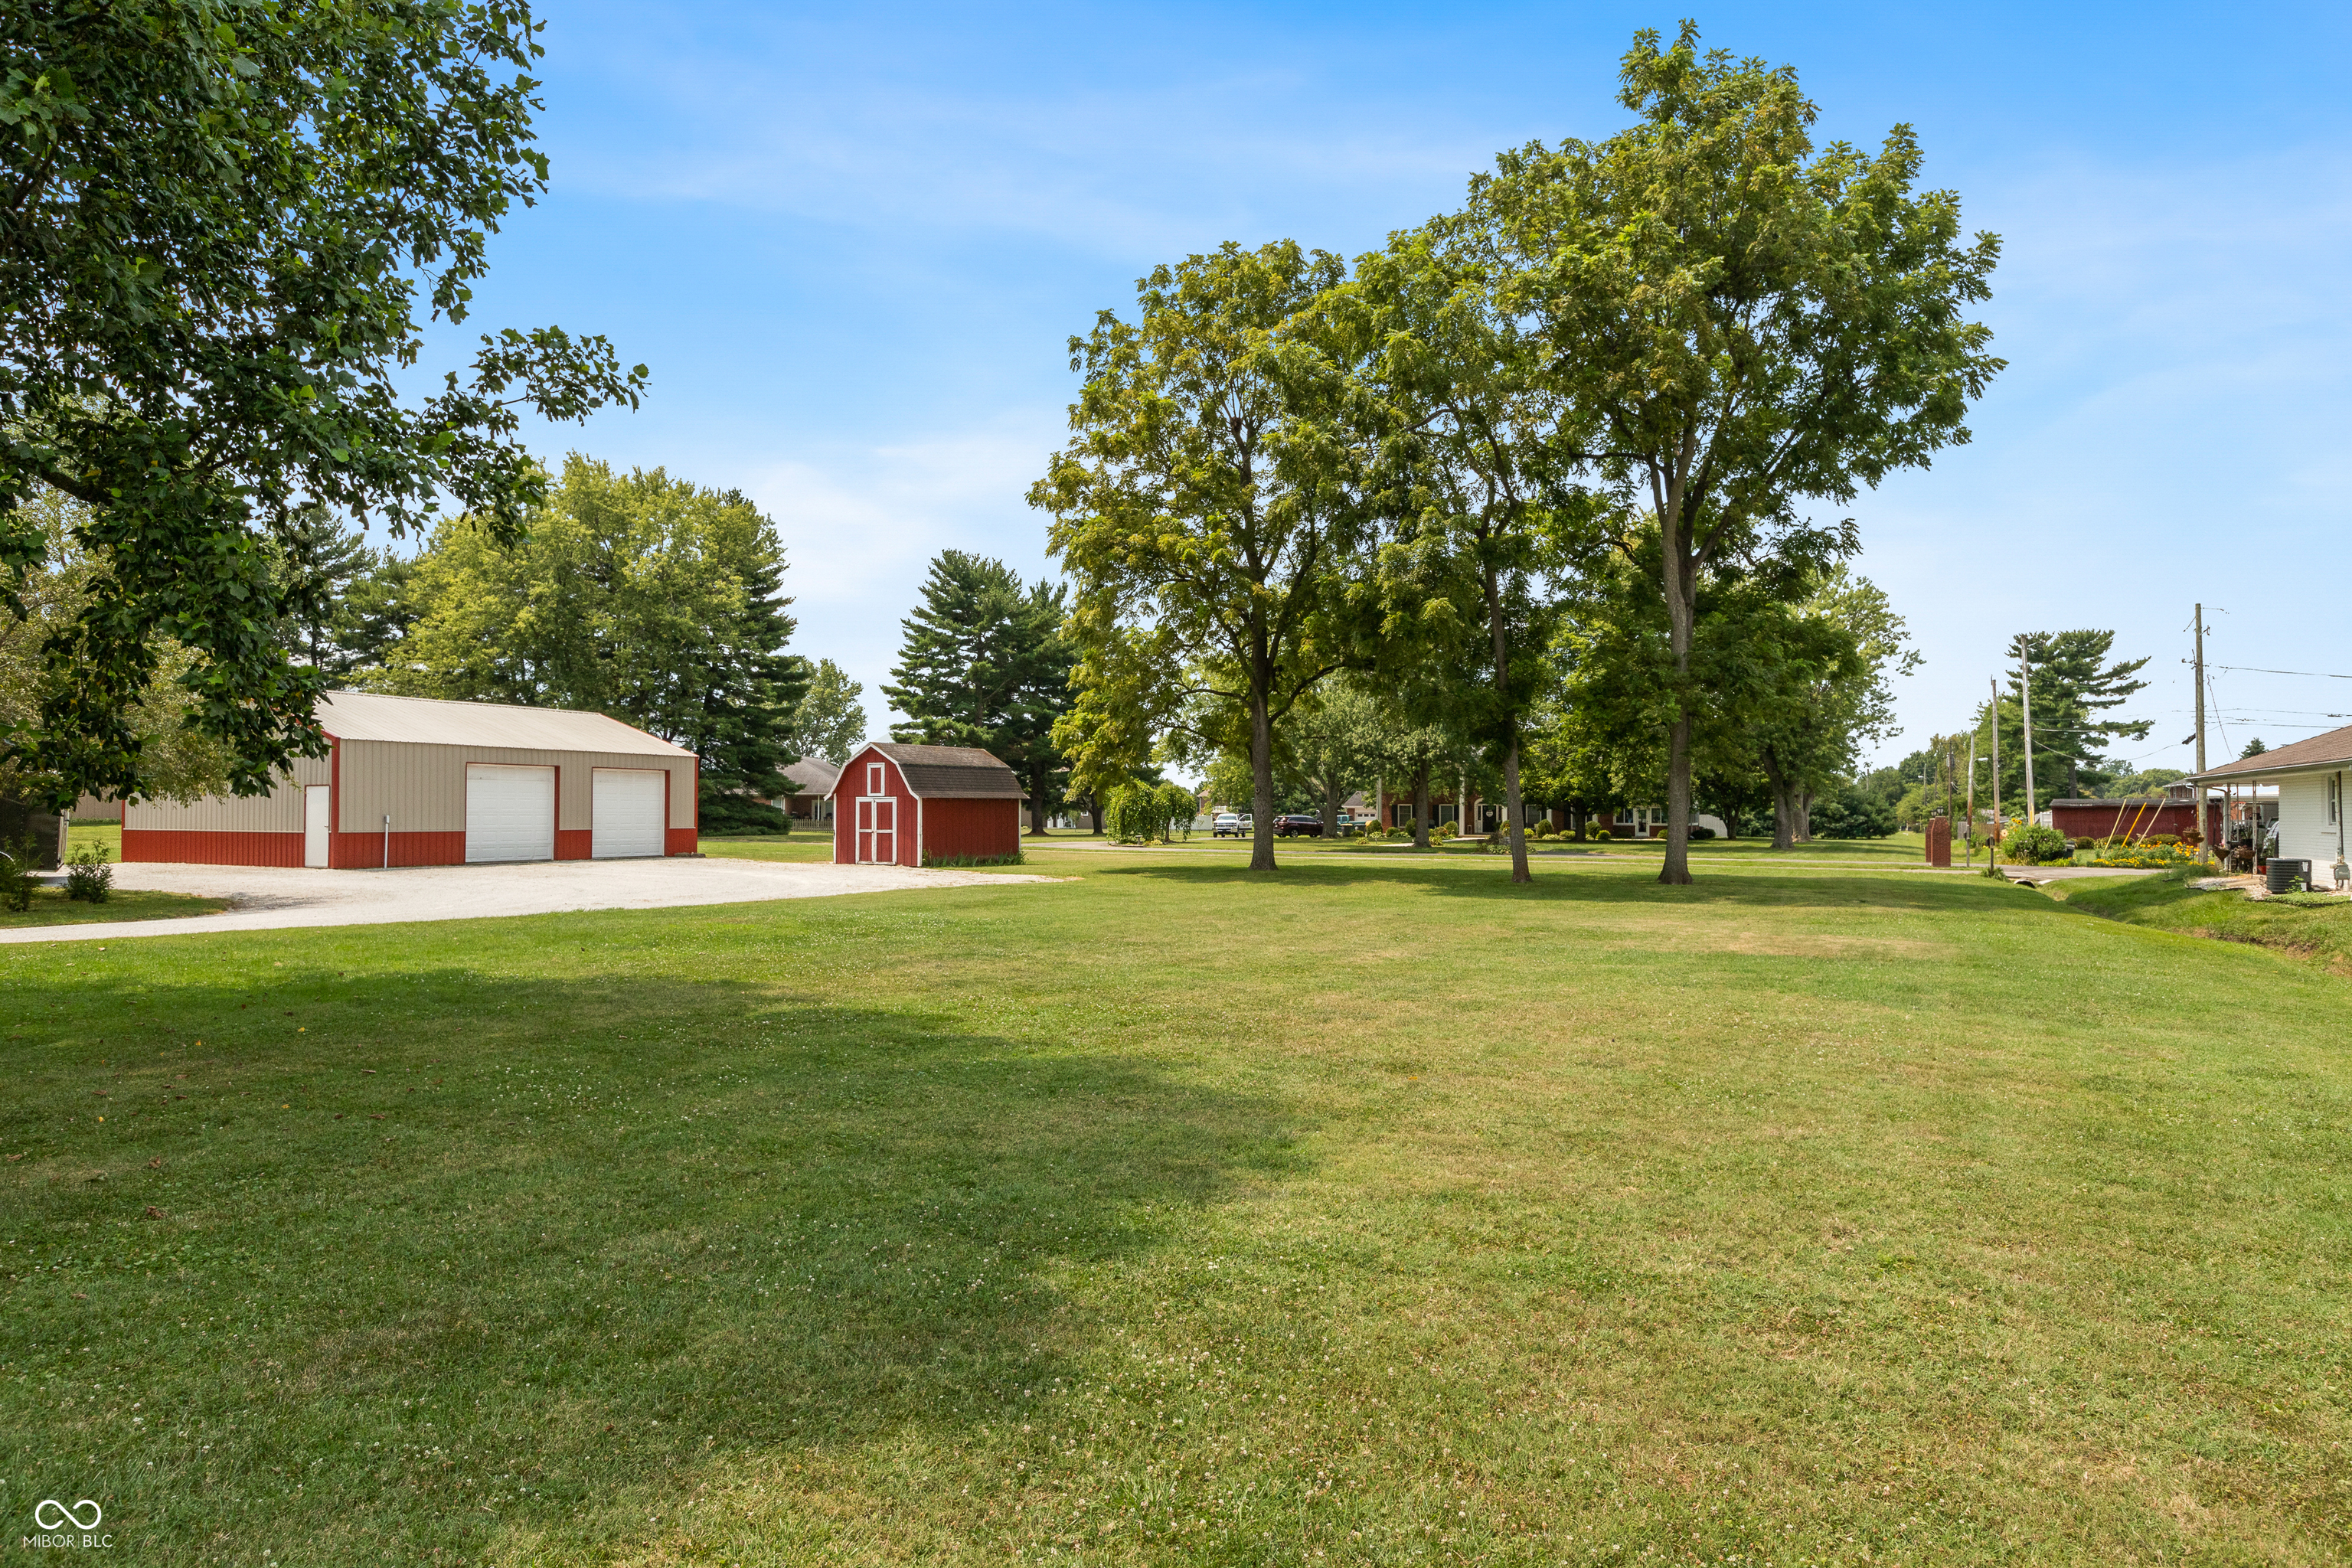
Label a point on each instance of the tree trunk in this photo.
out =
(1676, 871)
(1037, 801)
(1681, 574)
(1261, 781)
(1420, 808)
(1514, 818)
(1332, 807)
(1804, 816)
(1093, 815)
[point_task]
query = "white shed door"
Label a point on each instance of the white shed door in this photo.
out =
(625, 812)
(318, 815)
(510, 812)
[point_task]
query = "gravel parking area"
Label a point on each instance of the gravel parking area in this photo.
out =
(267, 896)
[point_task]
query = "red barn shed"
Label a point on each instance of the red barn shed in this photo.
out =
(914, 805)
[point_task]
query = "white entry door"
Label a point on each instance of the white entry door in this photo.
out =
(877, 831)
(625, 812)
(510, 812)
(318, 815)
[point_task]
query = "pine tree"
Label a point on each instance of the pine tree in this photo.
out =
(984, 664)
(2074, 684)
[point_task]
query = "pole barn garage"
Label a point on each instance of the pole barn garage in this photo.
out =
(409, 781)
(912, 805)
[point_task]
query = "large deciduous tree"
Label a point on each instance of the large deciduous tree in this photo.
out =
(1749, 324)
(1204, 507)
(223, 225)
(984, 664)
(829, 722)
(1473, 444)
(639, 596)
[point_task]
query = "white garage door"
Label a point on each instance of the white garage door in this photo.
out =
(625, 812)
(509, 813)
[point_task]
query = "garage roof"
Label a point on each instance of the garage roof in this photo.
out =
(2332, 750)
(429, 721)
(959, 773)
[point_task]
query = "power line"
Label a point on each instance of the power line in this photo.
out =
(2257, 669)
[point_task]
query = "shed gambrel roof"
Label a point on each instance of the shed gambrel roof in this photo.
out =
(2332, 750)
(948, 773)
(430, 721)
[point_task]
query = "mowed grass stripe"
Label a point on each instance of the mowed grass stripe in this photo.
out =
(1173, 1215)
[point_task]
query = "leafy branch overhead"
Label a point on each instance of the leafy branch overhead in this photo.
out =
(223, 227)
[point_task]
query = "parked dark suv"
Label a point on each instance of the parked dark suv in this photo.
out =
(1298, 827)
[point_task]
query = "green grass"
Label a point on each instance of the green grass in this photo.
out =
(1364, 1214)
(796, 846)
(52, 908)
(2322, 934)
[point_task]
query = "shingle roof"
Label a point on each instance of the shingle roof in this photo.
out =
(430, 721)
(961, 773)
(811, 775)
(2329, 751)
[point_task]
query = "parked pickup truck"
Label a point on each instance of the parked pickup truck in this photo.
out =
(1229, 825)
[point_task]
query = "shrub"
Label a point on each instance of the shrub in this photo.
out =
(18, 863)
(1601, 836)
(962, 862)
(1542, 829)
(2086, 844)
(730, 811)
(1698, 832)
(89, 877)
(1443, 830)
(2035, 845)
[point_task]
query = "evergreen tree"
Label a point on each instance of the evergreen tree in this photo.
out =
(2074, 685)
(984, 664)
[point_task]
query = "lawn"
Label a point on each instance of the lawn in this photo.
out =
(1370, 1213)
(52, 908)
(2322, 934)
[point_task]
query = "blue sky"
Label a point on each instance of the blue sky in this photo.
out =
(851, 243)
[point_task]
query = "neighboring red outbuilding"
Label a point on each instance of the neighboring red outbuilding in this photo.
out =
(918, 806)
(2136, 817)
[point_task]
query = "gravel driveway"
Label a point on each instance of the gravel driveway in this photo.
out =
(266, 897)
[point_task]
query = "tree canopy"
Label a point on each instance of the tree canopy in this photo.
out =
(635, 595)
(1202, 513)
(226, 226)
(1746, 325)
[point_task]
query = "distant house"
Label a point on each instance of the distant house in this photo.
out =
(807, 792)
(2310, 778)
(914, 805)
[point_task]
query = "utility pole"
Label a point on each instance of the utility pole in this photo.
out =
(2204, 838)
(2025, 699)
(1972, 794)
(1995, 683)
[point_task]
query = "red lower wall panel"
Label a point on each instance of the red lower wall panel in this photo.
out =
(571, 843)
(191, 846)
(973, 829)
(684, 841)
(365, 851)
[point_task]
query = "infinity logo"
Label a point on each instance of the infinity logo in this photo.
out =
(51, 1514)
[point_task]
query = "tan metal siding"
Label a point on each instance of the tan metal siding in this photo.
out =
(279, 811)
(424, 787)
